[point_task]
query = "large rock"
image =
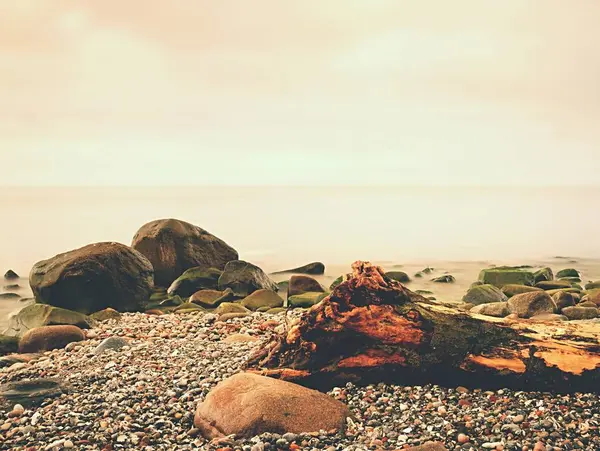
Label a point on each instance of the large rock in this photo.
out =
(568, 272)
(592, 296)
(506, 275)
(484, 294)
(526, 305)
(266, 299)
(303, 284)
(563, 299)
(543, 274)
(8, 345)
(174, 246)
(248, 404)
(47, 338)
(497, 309)
(93, 278)
(592, 285)
(195, 279)
(211, 298)
(306, 300)
(314, 268)
(578, 312)
(553, 284)
(39, 315)
(511, 289)
(244, 278)
(399, 276)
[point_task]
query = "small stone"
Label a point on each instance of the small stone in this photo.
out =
(518, 419)
(68, 444)
(462, 438)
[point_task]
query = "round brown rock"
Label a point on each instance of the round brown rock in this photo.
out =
(304, 284)
(49, 337)
(248, 404)
(174, 246)
(526, 305)
(93, 278)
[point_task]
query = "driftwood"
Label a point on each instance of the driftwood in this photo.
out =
(372, 329)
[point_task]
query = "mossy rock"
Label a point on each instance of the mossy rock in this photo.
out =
(553, 284)
(568, 272)
(446, 278)
(427, 270)
(506, 275)
(158, 296)
(543, 274)
(484, 294)
(263, 309)
(171, 301)
(231, 307)
(566, 290)
(243, 278)
(212, 298)
(262, 298)
(306, 300)
(283, 285)
(592, 285)
(276, 310)
(338, 281)
(511, 290)
(106, 314)
(38, 315)
(195, 279)
(8, 345)
(399, 276)
(477, 283)
(418, 275)
(571, 280)
(188, 306)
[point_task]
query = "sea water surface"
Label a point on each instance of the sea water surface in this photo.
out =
(454, 229)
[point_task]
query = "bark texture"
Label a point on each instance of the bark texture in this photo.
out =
(372, 329)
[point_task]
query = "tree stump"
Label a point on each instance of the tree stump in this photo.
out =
(372, 329)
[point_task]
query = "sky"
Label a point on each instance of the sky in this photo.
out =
(311, 92)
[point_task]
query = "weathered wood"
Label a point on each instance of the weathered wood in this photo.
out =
(373, 329)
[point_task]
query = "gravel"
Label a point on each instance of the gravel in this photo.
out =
(143, 396)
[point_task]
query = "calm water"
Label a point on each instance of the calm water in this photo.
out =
(456, 229)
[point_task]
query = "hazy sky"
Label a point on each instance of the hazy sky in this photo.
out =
(156, 92)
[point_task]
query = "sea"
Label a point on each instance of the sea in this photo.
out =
(456, 230)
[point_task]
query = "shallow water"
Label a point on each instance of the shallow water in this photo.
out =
(458, 230)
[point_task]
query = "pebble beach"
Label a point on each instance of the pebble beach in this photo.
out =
(143, 395)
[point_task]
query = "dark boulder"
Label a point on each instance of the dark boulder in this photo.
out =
(543, 274)
(174, 246)
(93, 278)
(399, 276)
(244, 278)
(32, 392)
(195, 279)
(563, 299)
(303, 284)
(568, 272)
(11, 275)
(315, 269)
(447, 278)
(553, 284)
(526, 305)
(8, 345)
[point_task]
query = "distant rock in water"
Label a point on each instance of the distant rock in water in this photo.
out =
(93, 278)
(399, 276)
(245, 278)
(315, 268)
(11, 275)
(174, 246)
(9, 296)
(447, 278)
(12, 286)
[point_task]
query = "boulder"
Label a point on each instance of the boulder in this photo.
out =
(47, 338)
(227, 316)
(38, 315)
(446, 278)
(105, 315)
(543, 274)
(244, 278)
(399, 276)
(563, 299)
(592, 296)
(484, 294)
(526, 305)
(572, 280)
(553, 284)
(568, 272)
(315, 268)
(195, 279)
(586, 303)
(303, 284)
(111, 344)
(266, 299)
(11, 275)
(511, 289)
(497, 309)
(577, 312)
(231, 307)
(506, 275)
(592, 285)
(305, 300)
(174, 246)
(211, 298)
(31, 392)
(566, 290)
(247, 405)
(93, 278)
(544, 317)
(8, 345)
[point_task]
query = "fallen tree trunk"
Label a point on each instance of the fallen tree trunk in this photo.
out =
(372, 329)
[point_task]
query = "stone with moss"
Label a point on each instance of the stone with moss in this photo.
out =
(306, 300)
(231, 307)
(195, 279)
(188, 307)
(484, 294)
(8, 345)
(38, 315)
(592, 285)
(106, 314)
(399, 276)
(506, 275)
(446, 278)
(568, 272)
(338, 281)
(262, 298)
(543, 274)
(553, 284)
(172, 301)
